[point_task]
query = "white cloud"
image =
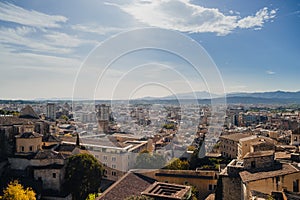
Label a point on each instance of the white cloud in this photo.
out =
(23, 39)
(19, 39)
(270, 72)
(16, 14)
(184, 16)
(65, 40)
(258, 19)
(94, 28)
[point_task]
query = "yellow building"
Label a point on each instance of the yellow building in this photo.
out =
(229, 144)
(254, 143)
(28, 142)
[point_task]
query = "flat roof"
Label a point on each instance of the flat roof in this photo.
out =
(167, 190)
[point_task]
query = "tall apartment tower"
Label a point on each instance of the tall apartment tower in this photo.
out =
(51, 111)
(103, 113)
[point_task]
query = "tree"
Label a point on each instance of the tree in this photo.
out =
(83, 175)
(15, 191)
(177, 164)
(148, 161)
(64, 117)
(169, 126)
(91, 196)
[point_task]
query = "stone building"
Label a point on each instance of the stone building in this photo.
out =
(45, 166)
(11, 126)
(258, 176)
(254, 143)
(286, 177)
(28, 143)
(295, 137)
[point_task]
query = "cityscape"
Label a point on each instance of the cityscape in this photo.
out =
(149, 100)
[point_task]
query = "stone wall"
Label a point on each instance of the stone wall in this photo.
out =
(18, 163)
(231, 188)
(51, 178)
(260, 162)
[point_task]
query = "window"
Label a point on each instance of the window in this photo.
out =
(54, 175)
(295, 138)
(22, 148)
(113, 159)
(31, 148)
(277, 180)
(113, 173)
(113, 166)
(296, 185)
(104, 157)
(253, 164)
(210, 187)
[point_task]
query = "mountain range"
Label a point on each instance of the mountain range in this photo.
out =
(274, 97)
(206, 95)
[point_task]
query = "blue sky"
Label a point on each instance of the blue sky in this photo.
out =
(254, 44)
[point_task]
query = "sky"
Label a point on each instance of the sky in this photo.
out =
(60, 49)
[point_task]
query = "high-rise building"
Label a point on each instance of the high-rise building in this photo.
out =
(51, 111)
(103, 116)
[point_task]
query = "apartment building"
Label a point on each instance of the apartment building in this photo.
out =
(229, 144)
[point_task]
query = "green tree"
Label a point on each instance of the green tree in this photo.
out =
(169, 126)
(177, 164)
(83, 175)
(148, 161)
(15, 191)
(64, 117)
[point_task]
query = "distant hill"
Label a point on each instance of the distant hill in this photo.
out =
(270, 95)
(275, 97)
(188, 95)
